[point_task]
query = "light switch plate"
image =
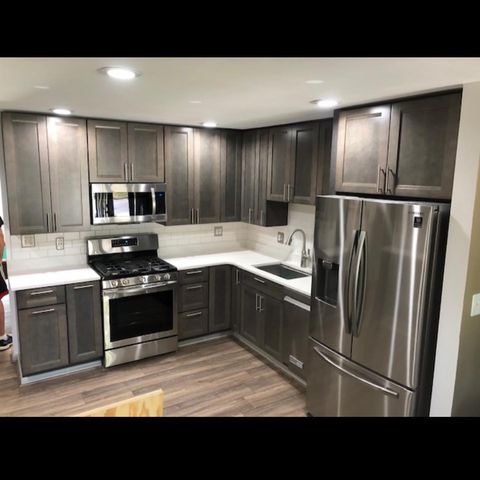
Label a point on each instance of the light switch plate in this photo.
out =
(280, 237)
(475, 305)
(218, 231)
(59, 243)
(28, 240)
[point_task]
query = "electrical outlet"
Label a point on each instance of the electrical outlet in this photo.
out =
(280, 237)
(59, 243)
(218, 231)
(28, 241)
(475, 305)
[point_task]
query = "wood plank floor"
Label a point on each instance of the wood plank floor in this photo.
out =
(214, 378)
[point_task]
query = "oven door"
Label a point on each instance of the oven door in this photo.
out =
(137, 314)
(128, 203)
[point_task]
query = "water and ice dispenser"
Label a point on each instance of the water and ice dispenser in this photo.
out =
(327, 281)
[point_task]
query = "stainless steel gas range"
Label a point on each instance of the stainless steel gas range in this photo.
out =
(139, 292)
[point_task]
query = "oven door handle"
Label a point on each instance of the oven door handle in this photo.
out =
(129, 291)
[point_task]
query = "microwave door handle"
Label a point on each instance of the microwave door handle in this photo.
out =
(154, 202)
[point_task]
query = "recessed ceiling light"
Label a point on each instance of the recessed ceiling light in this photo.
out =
(209, 124)
(195, 101)
(119, 73)
(325, 103)
(314, 82)
(61, 111)
(41, 87)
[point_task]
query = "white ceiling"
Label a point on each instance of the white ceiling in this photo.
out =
(234, 92)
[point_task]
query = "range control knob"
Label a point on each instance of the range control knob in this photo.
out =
(144, 279)
(114, 283)
(125, 281)
(166, 276)
(158, 277)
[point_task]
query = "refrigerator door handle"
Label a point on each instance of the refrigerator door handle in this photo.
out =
(357, 309)
(373, 385)
(348, 309)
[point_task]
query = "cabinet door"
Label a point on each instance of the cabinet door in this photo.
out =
(324, 158)
(231, 177)
(236, 299)
(220, 296)
(263, 152)
(43, 339)
(145, 153)
(67, 152)
(107, 151)
(271, 311)
(249, 175)
(249, 317)
(84, 316)
(207, 175)
(179, 174)
(423, 146)
(279, 162)
(27, 176)
(361, 149)
(303, 184)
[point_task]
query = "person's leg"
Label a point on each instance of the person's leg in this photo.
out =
(5, 340)
(2, 320)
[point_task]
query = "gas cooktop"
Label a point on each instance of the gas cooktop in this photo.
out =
(120, 268)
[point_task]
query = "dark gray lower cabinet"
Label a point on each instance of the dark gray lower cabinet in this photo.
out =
(84, 322)
(296, 313)
(192, 324)
(43, 338)
(249, 318)
(271, 311)
(236, 298)
(219, 298)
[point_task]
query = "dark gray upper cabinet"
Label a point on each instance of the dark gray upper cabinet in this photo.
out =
(324, 158)
(67, 152)
(145, 153)
(206, 175)
(422, 148)
(179, 174)
(220, 294)
(302, 186)
(43, 338)
(231, 177)
(249, 175)
(263, 149)
(84, 316)
(27, 172)
(279, 163)
(107, 151)
(361, 149)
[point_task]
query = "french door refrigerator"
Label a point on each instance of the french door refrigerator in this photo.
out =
(377, 277)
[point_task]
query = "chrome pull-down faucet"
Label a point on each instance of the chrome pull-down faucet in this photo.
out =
(305, 255)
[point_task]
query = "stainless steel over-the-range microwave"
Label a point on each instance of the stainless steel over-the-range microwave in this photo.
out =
(128, 203)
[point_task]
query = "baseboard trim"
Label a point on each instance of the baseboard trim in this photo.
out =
(59, 373)
(205, 338)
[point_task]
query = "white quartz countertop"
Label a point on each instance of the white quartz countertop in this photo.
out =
(246, 260)
(51, 278)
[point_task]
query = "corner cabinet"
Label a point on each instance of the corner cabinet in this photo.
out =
(46, 173)
(404, 149)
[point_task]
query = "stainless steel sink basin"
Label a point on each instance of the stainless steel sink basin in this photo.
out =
(283, 271)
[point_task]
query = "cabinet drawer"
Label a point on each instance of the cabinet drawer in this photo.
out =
(194, 275)
(192, 324)
(192, 296)
(39, 297)
(263, 285)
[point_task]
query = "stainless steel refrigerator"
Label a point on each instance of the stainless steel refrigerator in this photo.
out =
(377, 277)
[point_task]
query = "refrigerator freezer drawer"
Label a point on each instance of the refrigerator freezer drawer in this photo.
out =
(337, 387)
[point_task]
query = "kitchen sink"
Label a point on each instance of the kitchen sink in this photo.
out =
(283, 271)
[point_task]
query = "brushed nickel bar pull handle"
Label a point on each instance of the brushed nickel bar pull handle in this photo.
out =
(257, 296)
(261, 303)
(125, 171)
(193, 272)
(196, 314)
(298, 304)
(131, 172)
(258, 280)
(191, 215)
(38, 312)
(194, 287)
(43, 292)
(250, 215)
(82, 287)
(237, 277)
(48, 229)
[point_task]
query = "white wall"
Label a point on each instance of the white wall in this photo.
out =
(458, 248)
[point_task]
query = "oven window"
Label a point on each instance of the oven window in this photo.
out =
(141, 315)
